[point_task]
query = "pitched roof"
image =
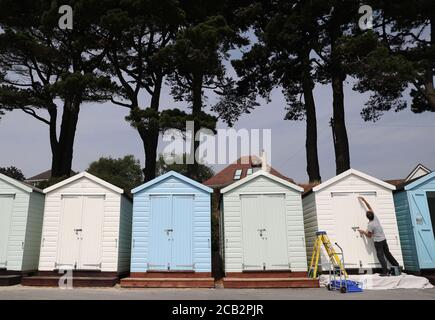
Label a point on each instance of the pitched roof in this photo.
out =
(308, 186)
(264, 174)
(357, 173)
(84, 175)
(19, 184)
(46, 175)
(413, 173)
(172, 174)
(395, 182)
(409, 185)
(226, 176)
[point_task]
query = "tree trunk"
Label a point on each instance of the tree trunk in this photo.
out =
(341, 142)
(64, 148)
(193, 169)
(313, 168)
(150, 137)
(428, 77)
(150, 143)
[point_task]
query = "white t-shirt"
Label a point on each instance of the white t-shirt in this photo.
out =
(376, 229)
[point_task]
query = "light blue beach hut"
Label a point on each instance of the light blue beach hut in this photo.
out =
(21, 214)
(415, 210)
(171, 226)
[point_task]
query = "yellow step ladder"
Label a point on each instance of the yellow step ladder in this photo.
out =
(322, 238)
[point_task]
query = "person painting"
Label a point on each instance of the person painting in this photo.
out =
(375, 231)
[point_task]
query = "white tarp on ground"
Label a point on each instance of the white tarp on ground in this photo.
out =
(376, 282)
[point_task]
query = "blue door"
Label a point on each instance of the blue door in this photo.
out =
(423, 233)
(182, 232)
(160, 233)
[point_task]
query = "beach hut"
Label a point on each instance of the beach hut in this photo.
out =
(262, 233)
(333, 206)
(415, 210)
(171, 242)
(87, 229)
(21, 211)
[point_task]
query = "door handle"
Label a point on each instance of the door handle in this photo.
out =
(261, 231)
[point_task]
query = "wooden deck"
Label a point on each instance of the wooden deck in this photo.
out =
(168, 280)
(80, 279)
(269, 279)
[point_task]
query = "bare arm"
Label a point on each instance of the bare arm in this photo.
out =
(366, 203)
(368, 234)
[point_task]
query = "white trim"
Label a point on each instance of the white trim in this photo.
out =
(263, 174)
(18, 184)
(375, 193)
(260, 193)
(357, 173)
(171, 194)
(413, 172)
(168, 175)
(87, 175)
(8, 195)
(83, 195)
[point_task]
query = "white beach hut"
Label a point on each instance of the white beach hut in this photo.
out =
(333, 206)
(87, 228)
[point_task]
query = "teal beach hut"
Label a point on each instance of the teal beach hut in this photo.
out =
(415, 210)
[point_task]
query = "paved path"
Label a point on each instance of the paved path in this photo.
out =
(20, 292)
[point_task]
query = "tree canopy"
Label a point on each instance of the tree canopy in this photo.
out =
(123, 172)
(204, 172)
(13, 172)
(46, 70)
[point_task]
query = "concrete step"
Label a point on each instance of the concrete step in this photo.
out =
(53, 281)
(230, 282)
(167, 282)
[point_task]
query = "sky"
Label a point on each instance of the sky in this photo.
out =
(387, 149)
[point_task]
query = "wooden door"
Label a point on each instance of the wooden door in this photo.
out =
(6, 205)
(91, 233)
